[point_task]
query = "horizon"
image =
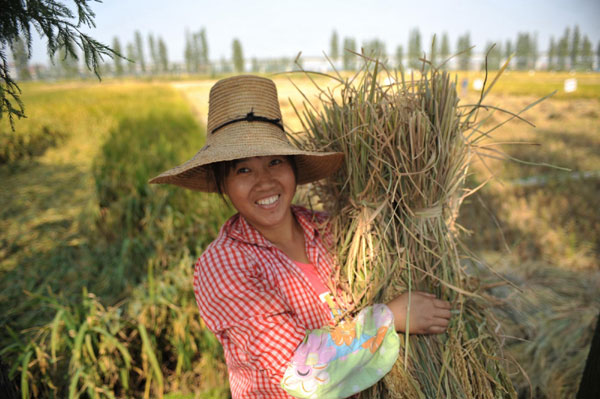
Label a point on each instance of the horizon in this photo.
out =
(314, 22)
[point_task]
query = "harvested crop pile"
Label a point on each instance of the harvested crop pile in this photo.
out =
(408, 145)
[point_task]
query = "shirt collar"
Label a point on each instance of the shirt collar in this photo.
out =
(238, 228)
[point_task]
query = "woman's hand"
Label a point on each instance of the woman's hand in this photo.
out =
(428, 315)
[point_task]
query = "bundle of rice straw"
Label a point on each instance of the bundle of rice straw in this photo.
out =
(393, 210)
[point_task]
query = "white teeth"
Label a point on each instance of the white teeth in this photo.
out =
(268, 201)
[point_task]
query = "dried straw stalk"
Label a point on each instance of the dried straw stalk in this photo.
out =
(393, 208)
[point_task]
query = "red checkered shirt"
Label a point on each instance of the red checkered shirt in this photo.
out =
(259, 303)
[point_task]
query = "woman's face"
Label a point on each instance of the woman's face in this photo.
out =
(262, 189)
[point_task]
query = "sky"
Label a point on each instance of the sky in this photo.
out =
(278, 28)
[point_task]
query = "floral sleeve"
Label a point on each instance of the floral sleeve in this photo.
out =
(341, 361)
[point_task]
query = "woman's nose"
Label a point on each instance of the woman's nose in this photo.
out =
(264, 175)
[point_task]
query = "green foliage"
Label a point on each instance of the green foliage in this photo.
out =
(525, 52)
(399, 57)
(139, 333)
(563, 51)
(21, 58)
(587, 56)
(59, 25)
(118, 61)
(575, 48)
(374, 48)
(139, 50)
(552, 55)
(16, 146)
(494, 56)
(163, 56)
(445, 47)
(348, 56)
(334, 51)
(67, 64)
(196, 52)
(153, 53)
(131, 56)
(414, 49)
(433, 51)
(464, 51)
(508, 50)
(237, 56)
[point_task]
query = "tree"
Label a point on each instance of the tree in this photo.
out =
(62, 28)
(196, 49)
(254, 65)
(163, 56)
(575, 48)
(533, 50)
(445, 47)
(464, 50)
(154, 57)
(399, 57)
(116, 45)
(522, 51)
(225, 65)
(238, 56)
(21, 58)
(348, 56)
(508, 50)
(552, 55)
(587, 55)
(598, 55)
(375, 49)
(131, 55)
(68, 64)
(414, 48)
(334, 52)
(494, 55)
(563, 51)
(188, 53)
(196, 52)
(434, 50)
(204, 60)
(139, 49)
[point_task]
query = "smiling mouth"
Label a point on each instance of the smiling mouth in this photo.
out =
(269, 200)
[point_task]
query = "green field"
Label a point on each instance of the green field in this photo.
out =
(97, 265)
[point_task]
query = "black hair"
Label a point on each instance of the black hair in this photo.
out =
(220, 170)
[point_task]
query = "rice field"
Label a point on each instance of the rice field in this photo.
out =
(96, 265)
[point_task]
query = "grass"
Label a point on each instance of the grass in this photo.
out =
(537, 211)
(97, 227)
(540, 83)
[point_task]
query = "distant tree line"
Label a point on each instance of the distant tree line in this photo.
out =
(150, 56)
(572, 51)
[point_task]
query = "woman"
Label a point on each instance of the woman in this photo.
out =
(263, 286)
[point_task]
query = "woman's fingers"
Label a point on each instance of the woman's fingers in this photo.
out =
(436, 329)
(442, 304)
(445, 313)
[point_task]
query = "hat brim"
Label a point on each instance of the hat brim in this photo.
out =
(246, 140)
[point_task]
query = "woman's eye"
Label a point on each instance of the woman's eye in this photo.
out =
(276, 161)
(242, 170)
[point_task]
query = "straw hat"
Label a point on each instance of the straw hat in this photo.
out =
(244, 120)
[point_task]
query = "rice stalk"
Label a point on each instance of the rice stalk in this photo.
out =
(393, 205)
